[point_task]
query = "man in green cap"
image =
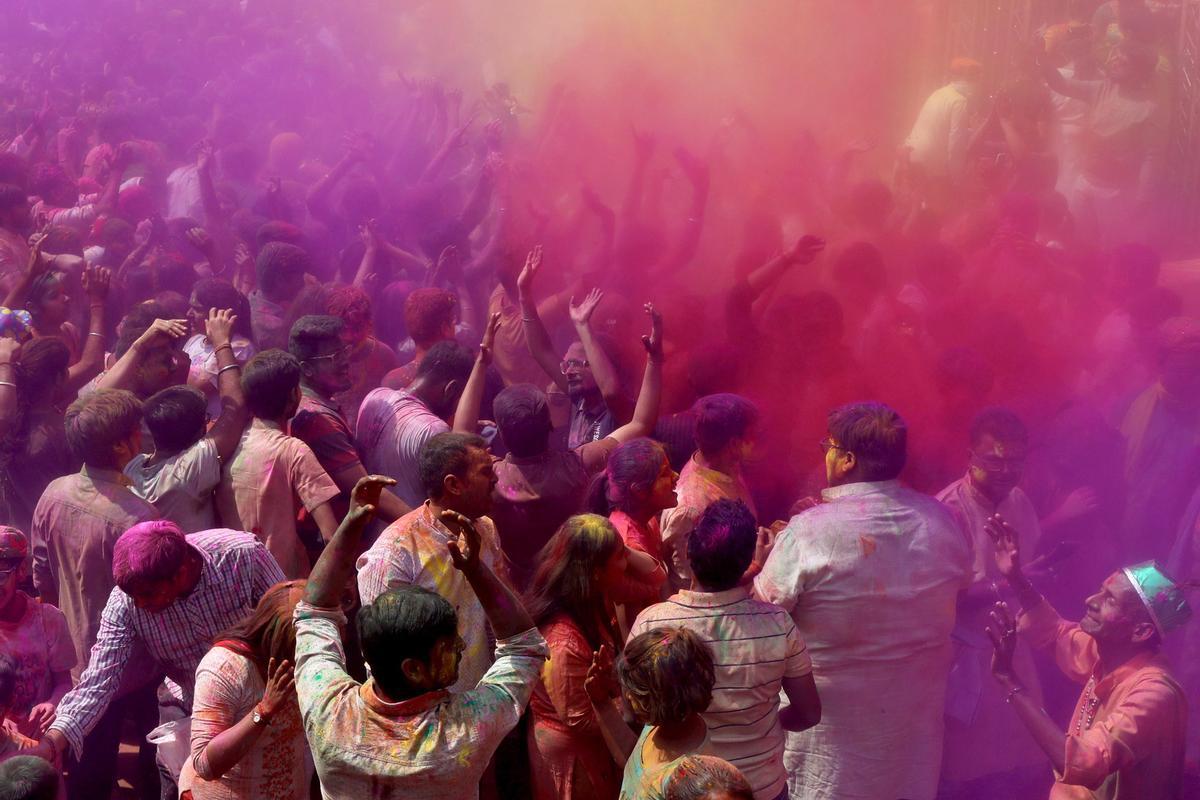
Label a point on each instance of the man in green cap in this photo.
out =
(1125, 740)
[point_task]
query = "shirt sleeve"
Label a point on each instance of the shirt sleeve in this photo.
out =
(798, 663)
(215, 703)
(321, 675)
(200, 468)
(382, 566)
(329, 442)
(44, 579)
(504, 690)
(1074, 651)
(58, 636)
(1124, 737)
(83, 706)
(780, 581)
(677, 526)
(310, 482)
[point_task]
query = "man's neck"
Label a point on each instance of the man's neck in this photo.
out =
(305, 385)
(723, 463)
(1113, 656)
(987, 496)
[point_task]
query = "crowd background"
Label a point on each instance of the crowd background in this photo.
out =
(393, 166)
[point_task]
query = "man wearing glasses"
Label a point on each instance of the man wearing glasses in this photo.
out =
(870, 577)
(976, 716)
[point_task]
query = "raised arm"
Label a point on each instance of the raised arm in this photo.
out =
(91, 360)
(335, 567)
(10, 349)
(505, 613)
(223, 741)
(123, 374)
(645, 413)
(35, 267)
(466, 418)
(536, 336)
(226, 432)
(603, 369)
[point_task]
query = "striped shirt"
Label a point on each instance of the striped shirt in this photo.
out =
(236, 572)
(392, 428)
(755, 646)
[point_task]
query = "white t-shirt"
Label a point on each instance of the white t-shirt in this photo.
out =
(180, 487)
(392, 428)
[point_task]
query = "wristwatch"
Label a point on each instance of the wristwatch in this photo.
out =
(259, 718)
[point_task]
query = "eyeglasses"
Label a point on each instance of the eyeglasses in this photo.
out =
(572, 362)
(336, 355)
(829, 444)
(997, 464)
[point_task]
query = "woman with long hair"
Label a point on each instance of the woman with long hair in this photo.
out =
(208, 294)
(247, 737)
(636, 486)
(570, 599)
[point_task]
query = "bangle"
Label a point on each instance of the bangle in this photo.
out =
(96, 333)
(529, 319)
(96, 305)
(1013, 692)
(222, 347)
(228, 366)
(8, 383)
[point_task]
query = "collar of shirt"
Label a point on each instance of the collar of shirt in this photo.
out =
(317, 399)
(1106, 684)
(694, 599)
(713, 476)
(100, 474)
(979, 497)
(434, 524)
(405, 708)
(267, 424)
(859, 488)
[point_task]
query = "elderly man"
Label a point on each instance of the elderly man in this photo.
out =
(870, 577)
(1126, 737)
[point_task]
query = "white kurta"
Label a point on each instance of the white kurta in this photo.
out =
(871, 577)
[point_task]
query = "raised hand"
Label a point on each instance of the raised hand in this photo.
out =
(280, 687)
(96, 281)
(1079, 503)
(199, 239)
(1002, 630)
(465, 558)
(1007, 544)
(533, 263)
(219, 326)
(489, 338)
(204, 155)
(806, 249)
(601, 682)
(364, 497)
(581, 314)
(170, 328)
(37, 265)
(654, 341)
(10, 348)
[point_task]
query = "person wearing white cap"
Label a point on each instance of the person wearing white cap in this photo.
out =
(1126, 737)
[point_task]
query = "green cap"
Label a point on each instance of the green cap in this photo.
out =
(1160, 595)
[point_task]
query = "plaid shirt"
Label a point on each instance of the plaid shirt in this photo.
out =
(236, 572)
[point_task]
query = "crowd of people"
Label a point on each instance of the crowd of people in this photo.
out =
(350, 448)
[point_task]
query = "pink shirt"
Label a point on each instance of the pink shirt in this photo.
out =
(269, 478)
(40, 644)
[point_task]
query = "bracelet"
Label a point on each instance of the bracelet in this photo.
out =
(8, 383)
(228, 366)
(96, 333)
(1013, 692)
(96, 305)
(222, 347)
(529, 319)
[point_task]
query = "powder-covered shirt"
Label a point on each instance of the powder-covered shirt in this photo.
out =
(698, 488)
(277, 766)
(270, 477)
(412, 550)
(1125, 740)
(39, 644)
(641, 782)
(236, 572)
(204, 369)
(431, 747)
(392, 428)
(75, 526)
(755, 645)
(180, 487)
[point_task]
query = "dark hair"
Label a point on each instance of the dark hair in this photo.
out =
(666, 675)
(311, 332)
(721, 418)
(403, 622)
(135, 323)
(176, 417)
(41, 288)
(446, 454)
(42, 363)
(268, 381)
(96, 424)
(28, 778)
(350, 304)
(523, 417)
(426, 312)
(268, 631)
(278, 264)
(565, 579)
(446, 361)
(148, 553)
(1000, 423)
(860, 266)
(875, 434)
(8, 679)
(721, 546)
(632, 467)
(696, 777)
(218, 293)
